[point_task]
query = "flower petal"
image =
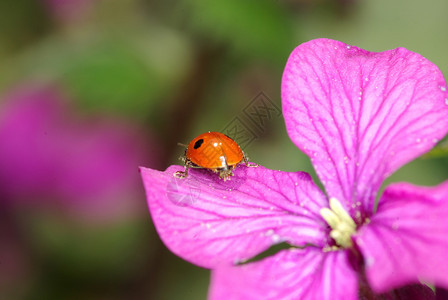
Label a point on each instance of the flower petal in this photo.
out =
(208, 221)
(290, 274)
(361, 115)
(406, 240)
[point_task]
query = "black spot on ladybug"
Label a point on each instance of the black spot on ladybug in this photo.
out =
(198, 143)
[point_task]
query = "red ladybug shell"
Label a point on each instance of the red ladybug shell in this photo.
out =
(214, 150)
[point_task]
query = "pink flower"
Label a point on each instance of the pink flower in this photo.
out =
(359, 116)
(52, 158)
(67, 183)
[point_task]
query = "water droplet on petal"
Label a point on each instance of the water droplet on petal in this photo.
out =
(369, 261)
(442, 88)
(348, 47)
(366, 79)
(275, 238)
(269, 232)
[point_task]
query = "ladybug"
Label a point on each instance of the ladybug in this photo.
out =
(214, 151)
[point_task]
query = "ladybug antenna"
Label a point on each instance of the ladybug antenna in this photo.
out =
(183, 145)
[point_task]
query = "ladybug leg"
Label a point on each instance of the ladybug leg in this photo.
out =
(247, 163)
(183, 157)
(183, 174)
(226, 171)
(190, 164)
(225, 174)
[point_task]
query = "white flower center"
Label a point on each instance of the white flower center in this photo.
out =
(342, 225)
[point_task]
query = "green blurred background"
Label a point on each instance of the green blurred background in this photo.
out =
(167, 71)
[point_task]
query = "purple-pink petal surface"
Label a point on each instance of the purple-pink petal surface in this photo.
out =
(290, 274)
(407, 239)
(209, 222)
(361, 115)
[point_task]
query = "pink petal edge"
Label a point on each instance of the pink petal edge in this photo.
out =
(406, 240)
(290, 274)
(208, 221)
(361, 115)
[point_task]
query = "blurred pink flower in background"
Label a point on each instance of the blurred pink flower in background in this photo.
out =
(69, 189)
(85, 166)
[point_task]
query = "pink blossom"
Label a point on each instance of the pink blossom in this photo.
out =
(359, 116)
(52, 158)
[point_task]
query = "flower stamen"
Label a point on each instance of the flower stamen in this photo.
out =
(341, 223)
